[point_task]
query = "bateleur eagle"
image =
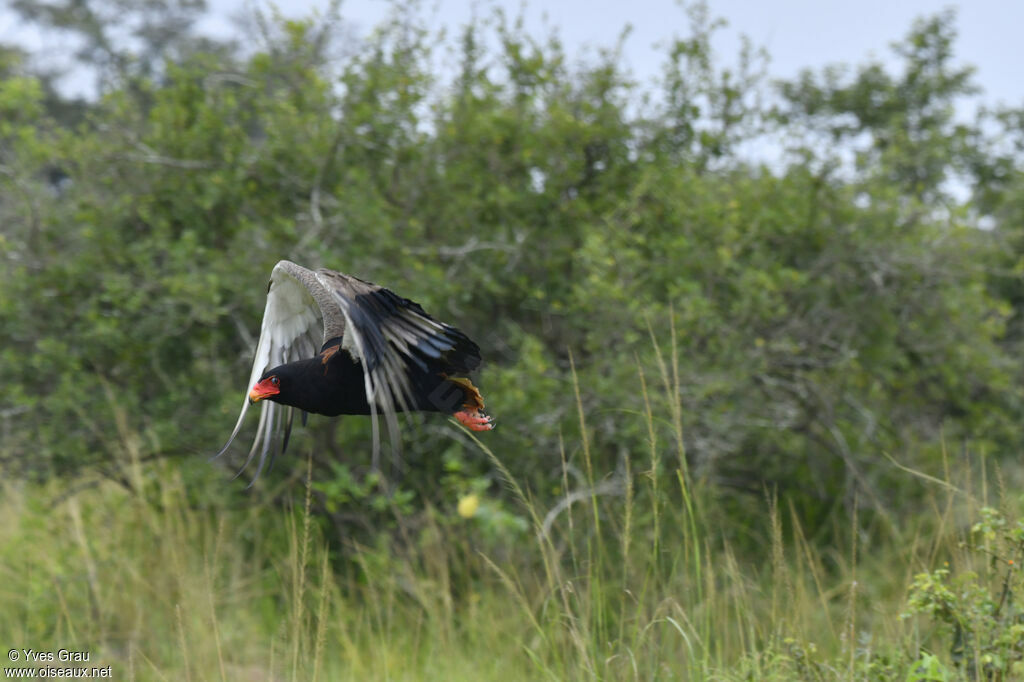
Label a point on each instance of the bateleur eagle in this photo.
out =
(378, 353)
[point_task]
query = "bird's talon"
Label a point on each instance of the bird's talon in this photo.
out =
(475, 420)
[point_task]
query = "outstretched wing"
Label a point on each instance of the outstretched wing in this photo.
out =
(385, 333)
(294, 327)
(389, 334)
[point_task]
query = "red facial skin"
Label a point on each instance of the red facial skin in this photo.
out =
(264, 389)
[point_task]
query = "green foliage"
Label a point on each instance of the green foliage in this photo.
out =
(979, 609)
(820, 312)
(617, 583)
(928, 669)
(674, 334)
(914, 139)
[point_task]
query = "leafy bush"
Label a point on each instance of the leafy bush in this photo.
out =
(823, 312)
(980, 609)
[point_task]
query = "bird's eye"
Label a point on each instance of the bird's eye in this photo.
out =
(274, 380)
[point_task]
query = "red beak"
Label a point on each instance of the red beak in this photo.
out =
(263, 389)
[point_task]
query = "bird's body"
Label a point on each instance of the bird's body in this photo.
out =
(332, 385)
(379, 354)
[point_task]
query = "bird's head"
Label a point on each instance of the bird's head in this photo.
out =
(268, 386)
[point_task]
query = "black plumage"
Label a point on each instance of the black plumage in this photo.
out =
(379, 353)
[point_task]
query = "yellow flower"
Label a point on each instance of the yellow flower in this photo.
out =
(468, 504)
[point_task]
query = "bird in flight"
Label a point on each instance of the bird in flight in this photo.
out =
(379, 354)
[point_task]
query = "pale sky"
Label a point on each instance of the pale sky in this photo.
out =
(796, 33)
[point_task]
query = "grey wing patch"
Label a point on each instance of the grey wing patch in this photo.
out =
(330, 314)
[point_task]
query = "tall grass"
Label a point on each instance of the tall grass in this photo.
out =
(632, 577)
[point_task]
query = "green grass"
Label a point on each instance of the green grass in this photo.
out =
(638, 581)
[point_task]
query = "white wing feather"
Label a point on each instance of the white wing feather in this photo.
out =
(290, 331)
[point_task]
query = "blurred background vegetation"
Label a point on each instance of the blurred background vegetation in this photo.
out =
(653, 302)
